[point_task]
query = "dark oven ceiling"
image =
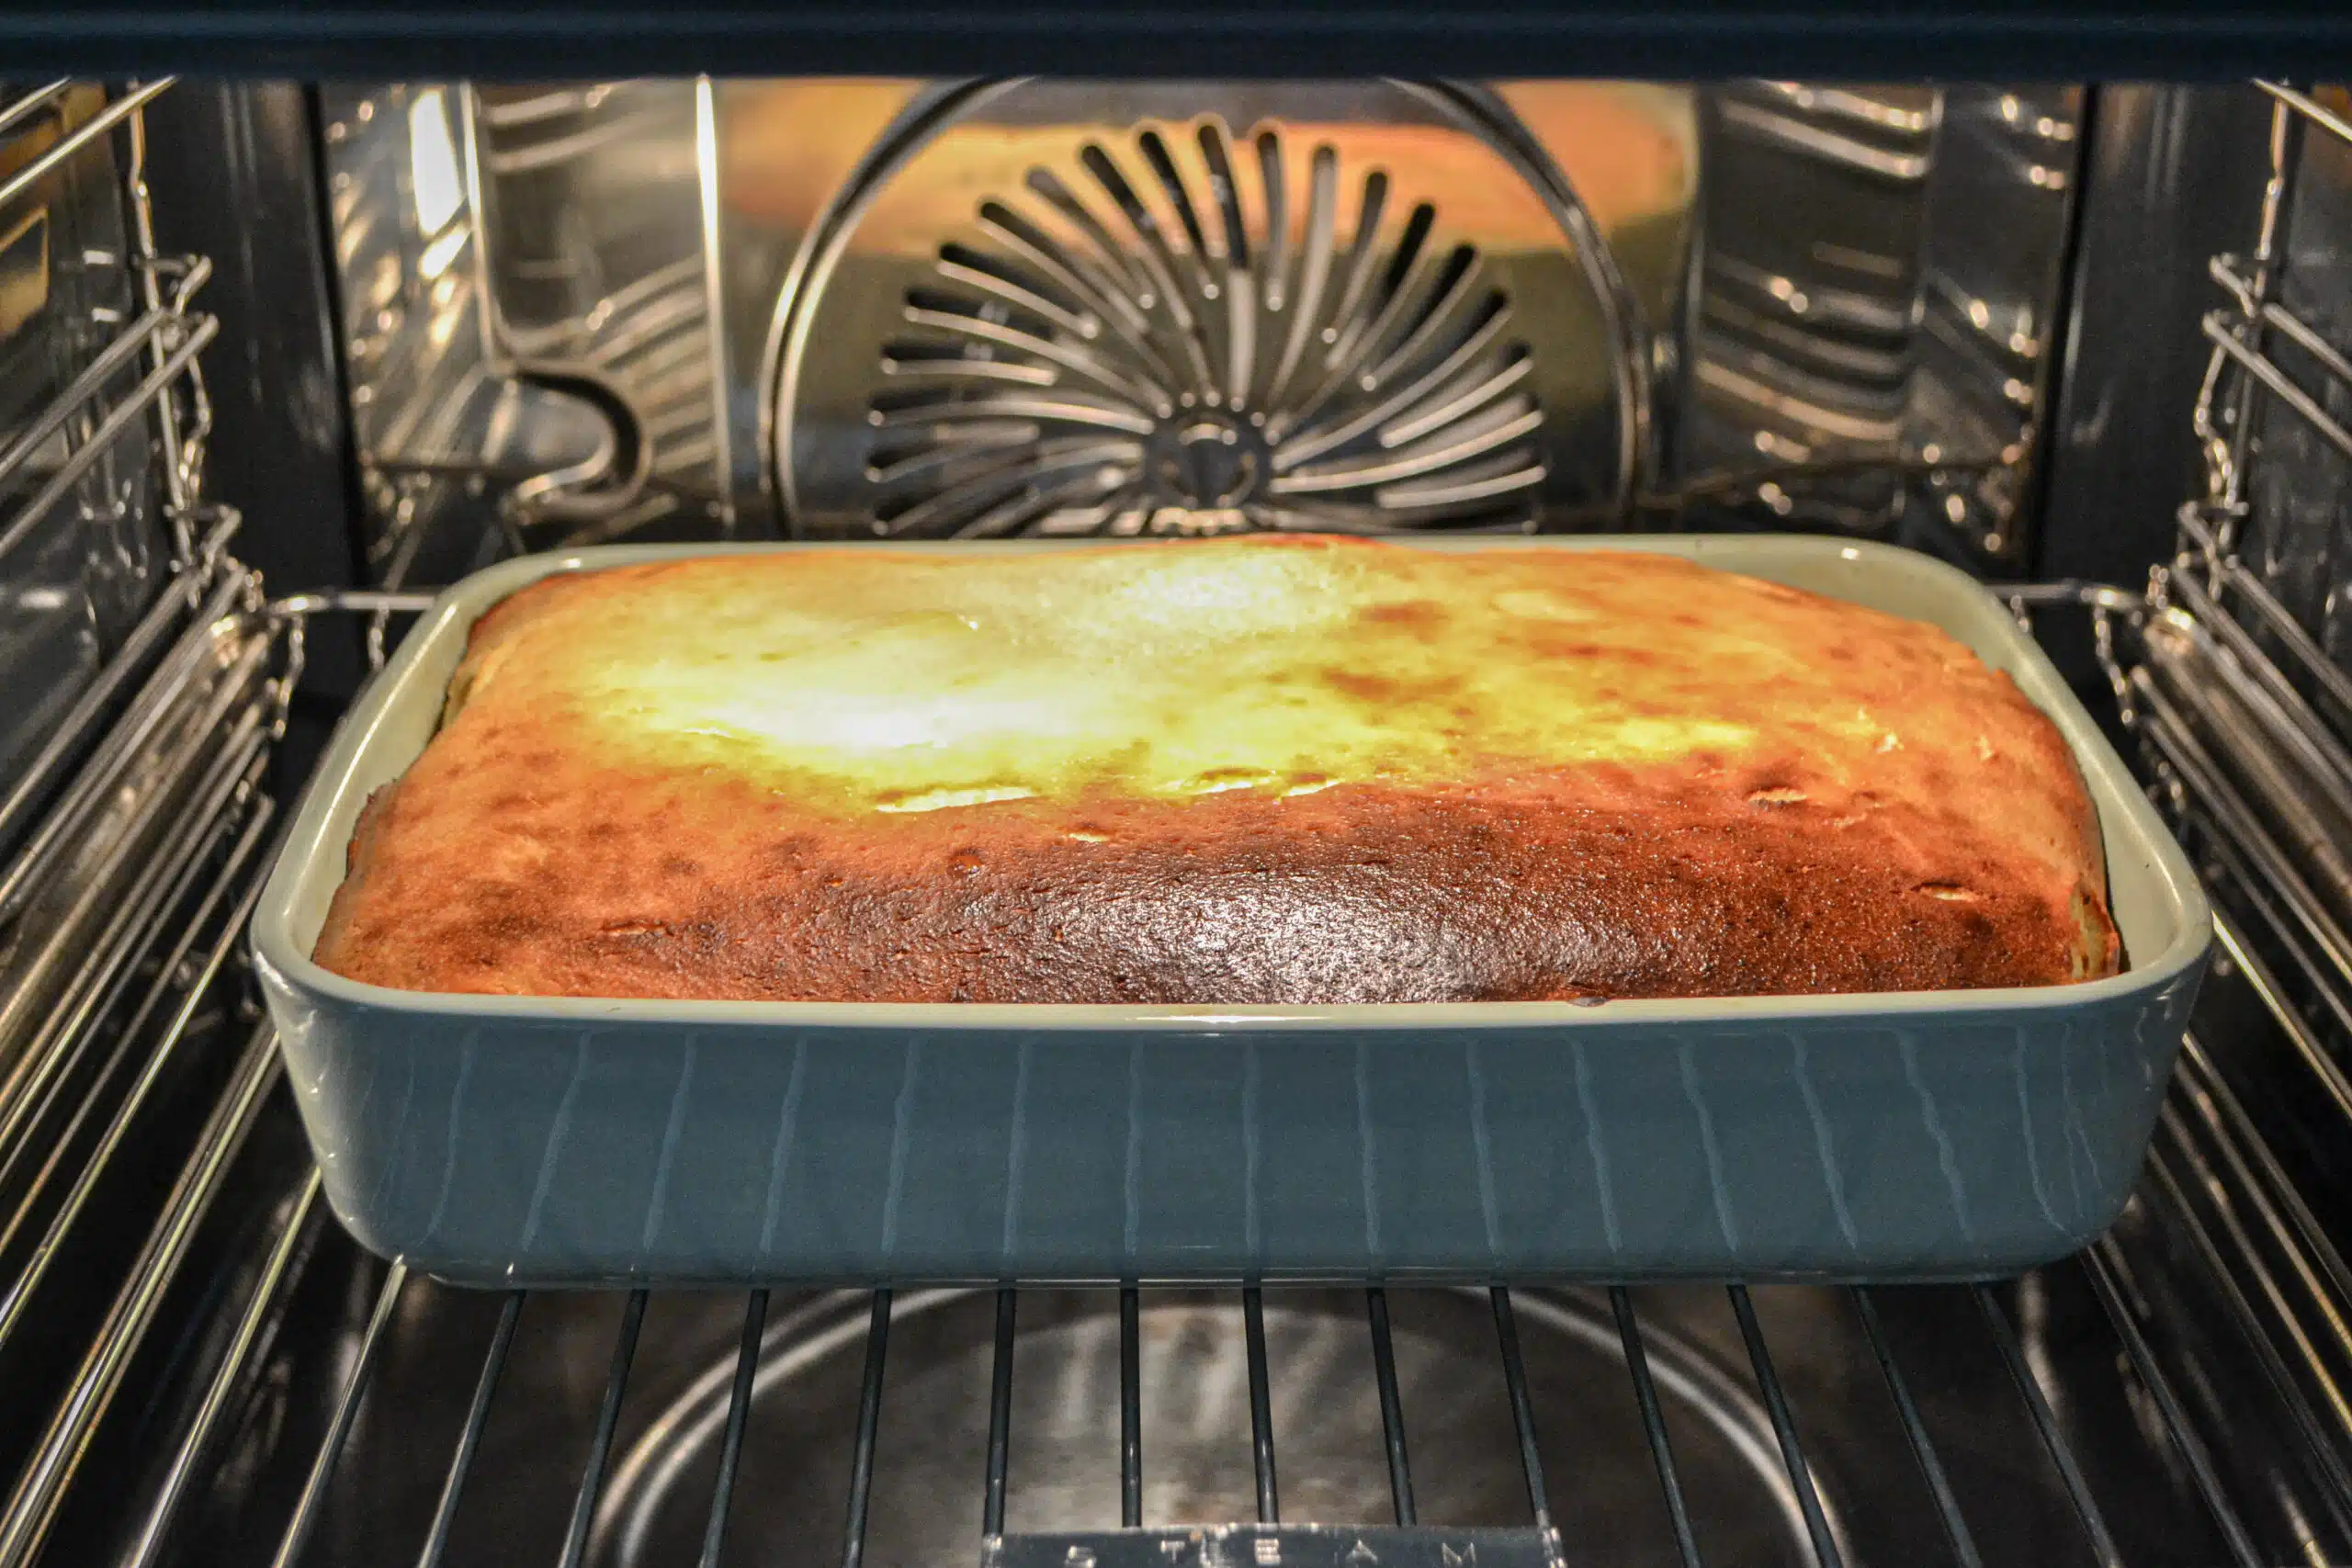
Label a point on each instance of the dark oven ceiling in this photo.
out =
(2113, 39)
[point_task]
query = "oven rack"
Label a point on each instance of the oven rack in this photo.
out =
(2257, 1259)
(2244, 377)
(133, 831)
(164, 339)
(2217, 1309)
(132, 888)
(2221, 1280)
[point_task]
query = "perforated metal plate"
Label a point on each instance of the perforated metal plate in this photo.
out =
(1069, 308)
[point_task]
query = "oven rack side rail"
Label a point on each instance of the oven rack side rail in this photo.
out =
(135, 826)
(2208, 704)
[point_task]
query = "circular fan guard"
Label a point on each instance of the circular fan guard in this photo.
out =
(1075, 365)
(1177, 328)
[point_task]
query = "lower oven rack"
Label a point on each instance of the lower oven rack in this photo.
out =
(2177, 1392)
(238, 1384)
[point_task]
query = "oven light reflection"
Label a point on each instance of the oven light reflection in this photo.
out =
(434, 175)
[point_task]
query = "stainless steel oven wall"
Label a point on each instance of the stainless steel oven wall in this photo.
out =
(1874, 311)
(1082, 306)
(837, 308)
(528, 277)
(83, 539)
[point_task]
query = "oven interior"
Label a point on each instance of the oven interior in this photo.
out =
(279, 360)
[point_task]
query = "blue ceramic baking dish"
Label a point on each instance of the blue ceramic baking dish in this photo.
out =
(1897, 1136)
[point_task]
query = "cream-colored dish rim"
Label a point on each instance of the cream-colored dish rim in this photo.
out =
(310, 865)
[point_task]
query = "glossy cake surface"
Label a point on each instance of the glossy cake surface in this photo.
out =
(1255, 771)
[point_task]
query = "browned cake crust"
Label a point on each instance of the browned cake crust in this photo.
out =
(1242, 772)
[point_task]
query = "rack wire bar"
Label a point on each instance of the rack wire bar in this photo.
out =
(2310, 659)
(103, 366)
(2255, 1264)
(2176, 1424)
(138, 945)
(33, 786)
(2264, 687)
(2317, 113)
(21, 1291)
(118, 110)
(738, 1416)
(2312, 1331)
(1392, 1408)
(20, 109)
(2249, 859)
(869, 1422)
(32, 1508)
(353, 601)
(59, 954)
(276, 1269)
(600, 1447)
(1130, 1409)
(1785, 1428)
(181, 446)
(61, 1041)
(347, 1409)
(2226, 454)
(461, 1463)
(57, 1147)
(1261, 1412)
(2232, 578)
(1000, 1414)
(1522, 1409)
(2289, 324)
(2294, 804)
(2220, 652)
(2071, 592)
(94, 788)
(2263, 369)
(201, 330)
(2163, 723)
(1637, 1366)
(1915, 1431)
(112, 788)
(2231, 863)
(2170, 1190)
(2045, 1422)
(2317, 1262)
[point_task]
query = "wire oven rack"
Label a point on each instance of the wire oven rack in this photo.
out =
(2181, 1392)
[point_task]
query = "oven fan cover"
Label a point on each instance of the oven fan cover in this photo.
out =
(1067, 309)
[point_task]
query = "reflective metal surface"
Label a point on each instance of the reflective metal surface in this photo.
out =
(1195, 1432)
(1076, 307)
(77, 563)
(1902, 331)
(1933, 1424)
(1657, 337)
(1804, 345)
(195, 1365)
(2292, 294)
(2172, 175)
(2001, 211)
(527, 280)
